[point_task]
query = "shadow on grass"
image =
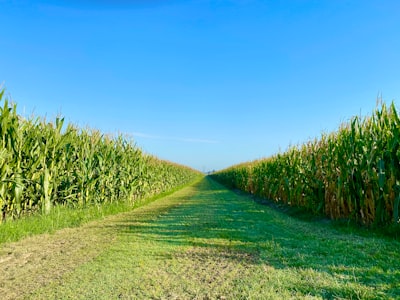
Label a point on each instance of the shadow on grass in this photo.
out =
(232, 226)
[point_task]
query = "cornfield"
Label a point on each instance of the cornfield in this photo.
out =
(353, 173)
(43, 164)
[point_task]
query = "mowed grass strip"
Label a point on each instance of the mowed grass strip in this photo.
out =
(206, 242)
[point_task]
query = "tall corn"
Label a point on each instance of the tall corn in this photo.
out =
(43, 164)
(353, 173)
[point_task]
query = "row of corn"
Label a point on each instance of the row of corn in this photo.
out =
(353, 173)
(44, 164)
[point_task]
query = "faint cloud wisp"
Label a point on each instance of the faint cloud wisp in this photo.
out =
(176, 139)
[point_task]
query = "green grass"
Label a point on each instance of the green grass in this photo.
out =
(64, 217)
(206, 242)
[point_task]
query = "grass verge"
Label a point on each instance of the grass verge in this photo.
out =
(391, 231)
(67, 217)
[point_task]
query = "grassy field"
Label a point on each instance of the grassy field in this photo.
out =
(202, 242)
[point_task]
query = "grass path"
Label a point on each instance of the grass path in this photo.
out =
(202, 242)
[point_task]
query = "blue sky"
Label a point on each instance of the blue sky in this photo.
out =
(203, 83)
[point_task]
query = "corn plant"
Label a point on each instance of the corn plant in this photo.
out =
(353, 173)
(44, 164)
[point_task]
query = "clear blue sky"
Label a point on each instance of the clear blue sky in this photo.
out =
(207, 84)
